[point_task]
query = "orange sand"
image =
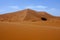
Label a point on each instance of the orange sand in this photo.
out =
(27, 25)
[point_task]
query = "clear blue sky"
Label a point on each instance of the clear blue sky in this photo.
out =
(50, 6)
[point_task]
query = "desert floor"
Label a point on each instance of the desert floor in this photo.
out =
(29, 31)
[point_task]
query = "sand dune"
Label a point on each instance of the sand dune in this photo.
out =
(29, 25)
(27, 15)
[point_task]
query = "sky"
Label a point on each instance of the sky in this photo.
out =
(50, 6)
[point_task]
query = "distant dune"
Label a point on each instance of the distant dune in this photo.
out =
(29, 24)
(27, 15)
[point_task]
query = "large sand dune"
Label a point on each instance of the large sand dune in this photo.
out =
(27, 15)
(29, 25)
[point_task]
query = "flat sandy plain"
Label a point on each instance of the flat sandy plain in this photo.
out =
(29, 31)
